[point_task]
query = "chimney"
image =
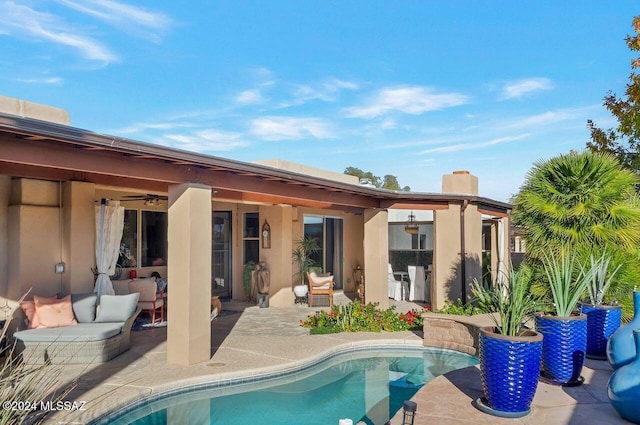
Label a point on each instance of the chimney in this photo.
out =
(38, 111)
(460, 182)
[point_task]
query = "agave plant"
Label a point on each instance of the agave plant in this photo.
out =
(601, 278)
(511, 298)
(566, 280)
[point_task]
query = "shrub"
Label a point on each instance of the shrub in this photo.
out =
(358, 317)
(459, 309)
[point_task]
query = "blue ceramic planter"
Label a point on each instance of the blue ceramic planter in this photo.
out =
(624, 386)
(509, 367)
(621, 349)
(563, 349)
(602, 322)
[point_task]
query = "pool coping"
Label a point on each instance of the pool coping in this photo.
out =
(221, 380)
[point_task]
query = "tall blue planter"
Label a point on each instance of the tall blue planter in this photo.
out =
(509, 367)
(602, 322)
(621, 349)
(563, 349)
(624, 386)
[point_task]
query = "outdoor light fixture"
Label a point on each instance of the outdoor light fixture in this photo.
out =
(266, 235)
(411, 227)
(408, 412)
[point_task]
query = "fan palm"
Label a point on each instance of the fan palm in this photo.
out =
(577, 201)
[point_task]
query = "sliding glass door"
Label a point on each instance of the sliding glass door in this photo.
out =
(328, 232)
(221, 254)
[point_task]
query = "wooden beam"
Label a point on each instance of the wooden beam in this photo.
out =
(417, 205)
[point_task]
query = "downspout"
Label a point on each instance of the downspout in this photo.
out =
(463, 255)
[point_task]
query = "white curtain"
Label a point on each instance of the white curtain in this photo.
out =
(109, 225)
(502, 268)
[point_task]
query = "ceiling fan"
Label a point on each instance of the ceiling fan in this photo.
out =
(149, 199)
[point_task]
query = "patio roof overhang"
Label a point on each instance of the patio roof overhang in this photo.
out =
(38, 149)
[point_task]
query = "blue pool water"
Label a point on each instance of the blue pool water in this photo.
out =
(363, 385)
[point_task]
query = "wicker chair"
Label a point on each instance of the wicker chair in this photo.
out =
(320, 285)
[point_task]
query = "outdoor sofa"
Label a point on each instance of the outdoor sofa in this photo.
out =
(101, 332)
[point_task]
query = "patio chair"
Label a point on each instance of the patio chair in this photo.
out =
(398, 289)
(150, 300)
(417, 285)
(320, 285)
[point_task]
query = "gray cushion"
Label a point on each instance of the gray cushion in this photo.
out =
(83, 332)
(84, 306)
(116, 308)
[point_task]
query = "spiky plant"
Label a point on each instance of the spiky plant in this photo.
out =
(577, 201)
(601, 277)
(566, 280)
(511, 298)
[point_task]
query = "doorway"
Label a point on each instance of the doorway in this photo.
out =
(328, 232)
(221, 254)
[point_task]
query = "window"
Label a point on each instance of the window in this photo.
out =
(251, 237)
(147, 248)
(129, 244)
(154, 238)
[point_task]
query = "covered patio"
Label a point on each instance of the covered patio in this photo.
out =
(52, 174)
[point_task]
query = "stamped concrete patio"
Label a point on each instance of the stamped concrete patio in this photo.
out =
(247, 341)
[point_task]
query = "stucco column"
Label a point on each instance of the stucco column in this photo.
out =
(189, 274)
(376, 257)
(78, 234)
(5, 190)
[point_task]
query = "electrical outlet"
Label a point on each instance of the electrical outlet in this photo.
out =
(59, 268)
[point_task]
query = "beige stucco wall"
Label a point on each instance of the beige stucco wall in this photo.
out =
(24, 108)
(308, 170)
(78, 236)
(5, 188)
(278, 257)
(447, 266)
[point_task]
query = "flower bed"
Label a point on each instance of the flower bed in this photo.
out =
(358, 317)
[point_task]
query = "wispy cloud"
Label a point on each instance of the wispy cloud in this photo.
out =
(132, 19)
(290, 128)
(24, 22)
(473, 146)
(520, 88)
(208, 140)
(250, 97)
(49, 80)
(414, 100)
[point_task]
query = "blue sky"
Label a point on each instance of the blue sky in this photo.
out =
(410, 88)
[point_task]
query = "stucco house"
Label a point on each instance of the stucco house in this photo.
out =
(197, 219)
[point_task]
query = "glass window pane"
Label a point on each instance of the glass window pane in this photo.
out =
(154, 238)
(251, 251)
(251, 225)
(129, 243)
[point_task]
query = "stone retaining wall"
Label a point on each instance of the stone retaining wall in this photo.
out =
(454, 332)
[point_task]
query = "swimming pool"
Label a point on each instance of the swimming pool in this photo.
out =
(361, 384)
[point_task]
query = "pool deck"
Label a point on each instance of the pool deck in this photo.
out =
(247, 341)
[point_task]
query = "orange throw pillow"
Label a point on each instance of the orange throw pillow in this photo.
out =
(54, 314)
(29, 308)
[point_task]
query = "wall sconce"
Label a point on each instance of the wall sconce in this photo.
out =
(266, 235)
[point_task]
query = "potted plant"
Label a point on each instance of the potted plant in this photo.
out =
(305, 248)
(602, 320)
(564, 331)
(509, 352)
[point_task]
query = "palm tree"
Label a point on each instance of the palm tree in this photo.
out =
(579, 200)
